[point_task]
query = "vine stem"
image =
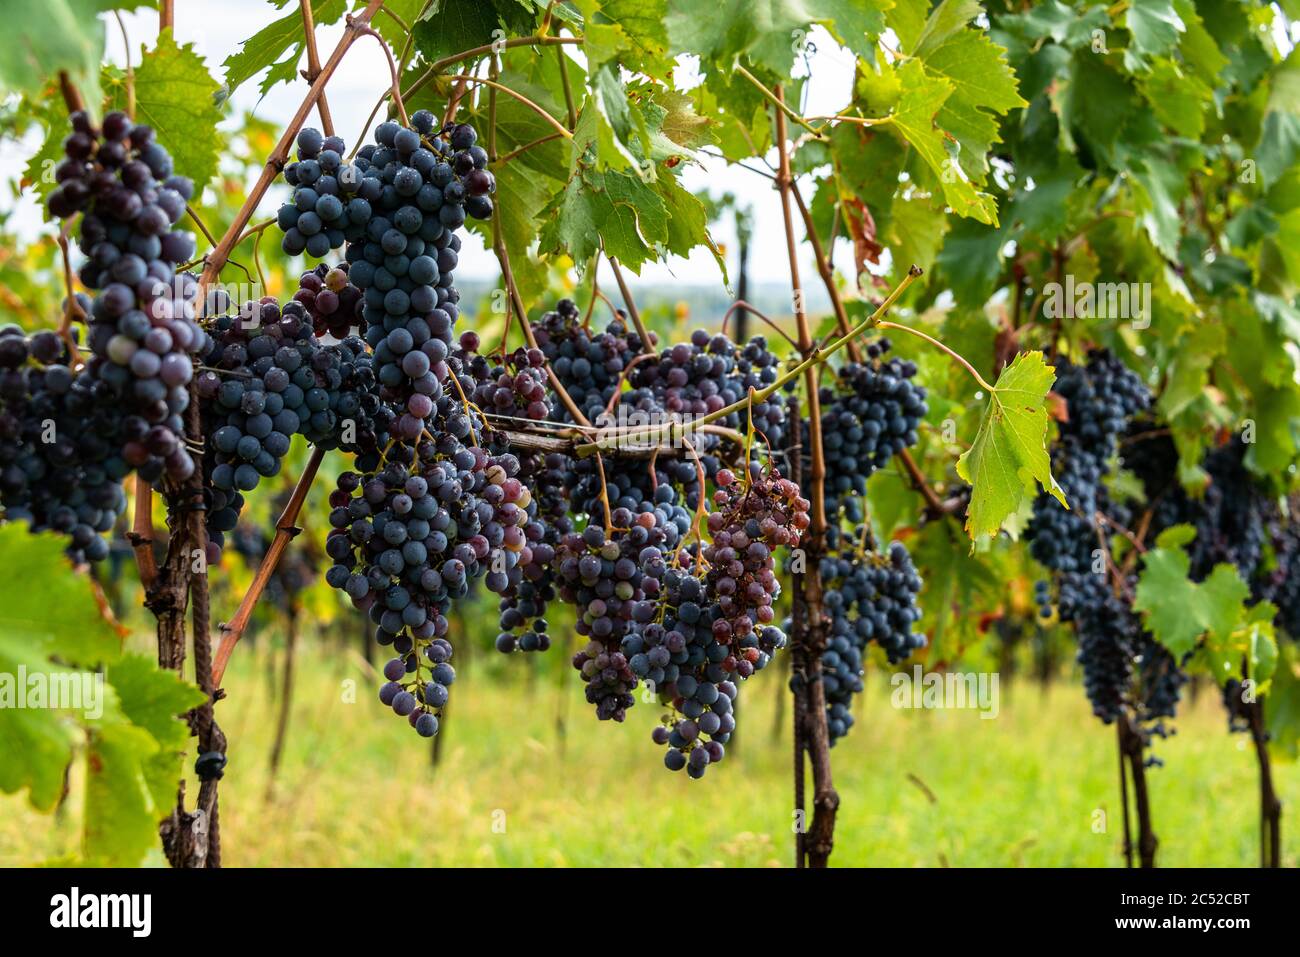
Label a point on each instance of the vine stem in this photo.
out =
(961, 360)
(254, 230)
(402, 24)
(794, 452)
(560, 128)
(809, 640)
(275, 162)
(817, 473)
(142, 534)
(932, 500)
(313, 66)
(859, 120)
(392, 69)
(190, 839)
(604, 494)
(507, 157)
(1131, 743)
(437, 66)
(71, 95)
(286, 529)
(568, 90)
(1123, 795)
(71, 307)
(647, 347)
(778, 101)
(494, 71)
(1270, 807)
(824, 269)
(130, 70)
(740, 304)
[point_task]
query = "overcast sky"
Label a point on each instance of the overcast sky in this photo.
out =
(363, 75)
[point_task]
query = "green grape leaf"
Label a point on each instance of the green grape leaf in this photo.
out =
(672, 127)
(1153, 27)
(768, 32)
(628, 33)
(614, 209)
(944, 21)
(1097, 103)
(1160, 188)
(1008, 458)
(688, 221)
(1282, 713)
(1178, 611)
(278, 47)
(923, 97)
(155, 701)
(619, 122)
(122, 817)
(133, 760)
(175, 94)
(983, 85)
(1180, 100)
(915, 231)
(47, 607)
(389, 27)
(1279, 146)
(1198, 48)
(1253, 641)
(979, 72)
(1062, 24)
(519, 225)
(46, 610)
(1044, 210)
(855, 23)
(451, 26)
(891, 499)
(971, 260)
(46, 37)
(37, 741)
(1212, 617)
(1260, 355)
(907, 19)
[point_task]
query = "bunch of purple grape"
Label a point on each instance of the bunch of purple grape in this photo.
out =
(871, 414)
(142, 334)
(606, 577)
(712, 626)
(408, 539)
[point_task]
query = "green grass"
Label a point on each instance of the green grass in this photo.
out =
(357, 786)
